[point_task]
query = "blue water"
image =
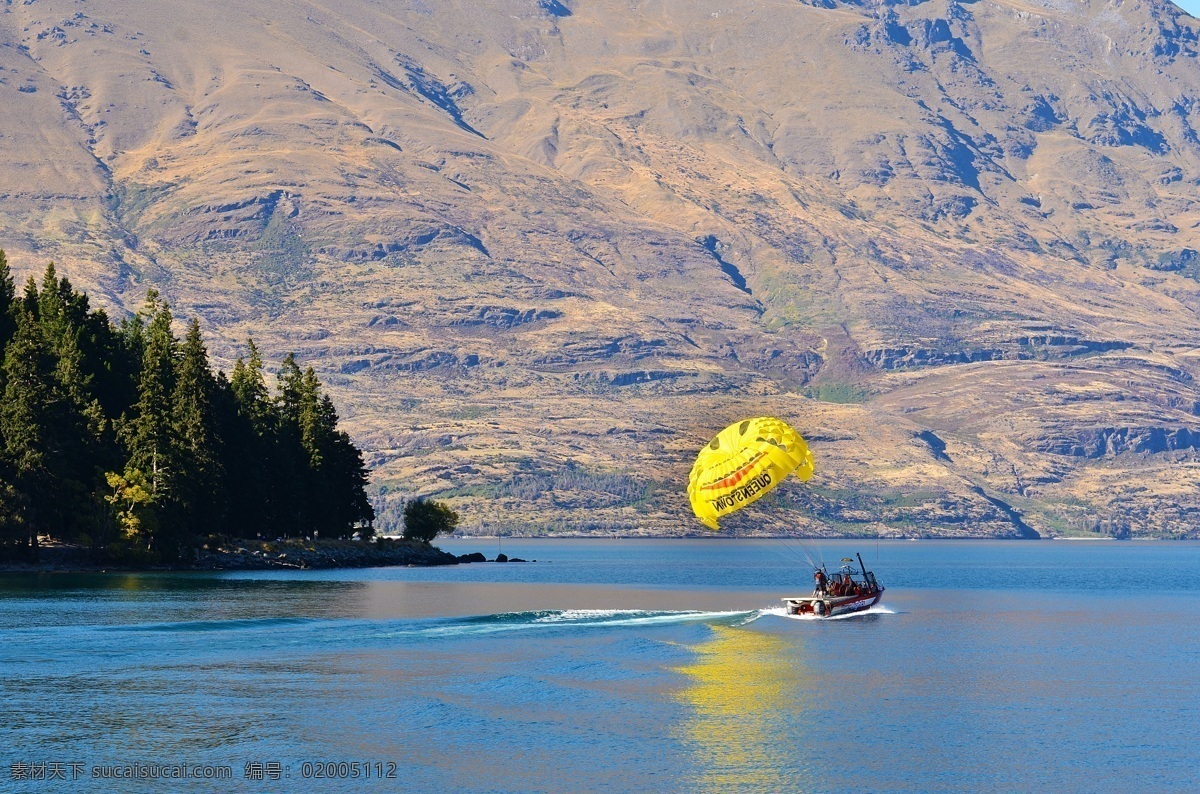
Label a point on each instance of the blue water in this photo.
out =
(619, 666)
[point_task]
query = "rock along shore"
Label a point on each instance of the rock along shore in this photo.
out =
(248, 555)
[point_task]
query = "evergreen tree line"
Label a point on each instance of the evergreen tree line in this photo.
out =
(120, 437)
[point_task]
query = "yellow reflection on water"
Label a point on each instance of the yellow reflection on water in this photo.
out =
(745, 693)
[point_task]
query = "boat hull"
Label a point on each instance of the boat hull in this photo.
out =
(831, 606)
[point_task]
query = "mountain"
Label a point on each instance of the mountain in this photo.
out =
(542, 250)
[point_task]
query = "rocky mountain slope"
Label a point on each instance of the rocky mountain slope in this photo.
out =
(541, 250)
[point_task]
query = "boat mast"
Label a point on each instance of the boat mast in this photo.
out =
(866, 578)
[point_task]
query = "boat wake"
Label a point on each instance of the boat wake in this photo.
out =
(622, 617)
(318, 632)
(602, 619)
(572, 618)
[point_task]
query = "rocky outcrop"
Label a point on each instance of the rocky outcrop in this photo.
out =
(1110, 441)
(1039, 347)
(320, 554)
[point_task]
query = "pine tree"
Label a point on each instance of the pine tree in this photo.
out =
(316, 439)
(29, 299)
(347, 475)
(291, 389)
(239, 464)
(327, 465)
(336, 467)
(250, 387)
(110, 370)
(197, 503)
(62, 314)
(77, 337)
(150, 440)
(132, 334)
(50, 309)
(248, 428)
(8, 321)
(30, 420)
(291, 486)
(314, 427)
(126, 350)
(149, 436)
(8, 296)
(81, 426)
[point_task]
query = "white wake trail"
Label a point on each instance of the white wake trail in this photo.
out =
(628, 617)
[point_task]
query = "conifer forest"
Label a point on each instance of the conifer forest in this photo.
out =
(119, 436)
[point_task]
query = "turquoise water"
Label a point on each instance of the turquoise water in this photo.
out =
(618, 666)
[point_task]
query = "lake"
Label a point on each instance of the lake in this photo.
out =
(614, 665)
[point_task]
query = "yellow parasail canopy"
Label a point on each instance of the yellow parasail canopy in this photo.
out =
(743, 463)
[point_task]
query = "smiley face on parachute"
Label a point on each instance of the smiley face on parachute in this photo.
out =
(742, 464)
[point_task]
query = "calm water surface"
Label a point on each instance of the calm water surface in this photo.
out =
(621, 666)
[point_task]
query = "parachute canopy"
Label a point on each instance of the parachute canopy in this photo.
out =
(743, 463)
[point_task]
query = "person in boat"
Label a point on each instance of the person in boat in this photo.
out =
(821, 582)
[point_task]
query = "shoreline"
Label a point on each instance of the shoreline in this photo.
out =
(247, 555)
(813, 538)
(303, 555)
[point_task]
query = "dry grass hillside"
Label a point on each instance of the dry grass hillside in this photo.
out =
(541, 250)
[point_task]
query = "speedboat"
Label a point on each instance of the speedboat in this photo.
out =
(840, 594)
